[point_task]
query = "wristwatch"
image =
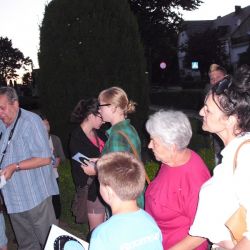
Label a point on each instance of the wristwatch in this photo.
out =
(18, 166)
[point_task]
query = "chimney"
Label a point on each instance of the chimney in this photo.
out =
(237, 9)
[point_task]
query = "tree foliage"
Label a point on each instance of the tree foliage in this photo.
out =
(11, 59)
(27, 78)
(205, 48)
(161, 13)
(86, 46)
(159, 22)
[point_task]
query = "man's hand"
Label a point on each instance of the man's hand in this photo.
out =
(8, 171)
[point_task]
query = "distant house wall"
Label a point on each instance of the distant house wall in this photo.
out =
(235, 33)
(236, 51)
(240, 40)
(182, 39)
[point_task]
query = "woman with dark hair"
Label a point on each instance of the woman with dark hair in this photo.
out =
(114, 107)
(226, 112)
(88, 140)
(57, 158)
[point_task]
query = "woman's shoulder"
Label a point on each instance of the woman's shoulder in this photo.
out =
(127, 128)
(240, 144)
(76, 131)
(196, 158)
(77, 135)
(197, 164)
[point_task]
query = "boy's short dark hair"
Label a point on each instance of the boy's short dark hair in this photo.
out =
(123, 173)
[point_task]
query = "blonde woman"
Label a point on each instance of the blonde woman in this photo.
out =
(114, 106)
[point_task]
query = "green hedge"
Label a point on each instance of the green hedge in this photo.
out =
(152, 169)
(179, 99)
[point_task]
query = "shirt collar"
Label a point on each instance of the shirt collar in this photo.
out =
(233, 145)
(117, 126)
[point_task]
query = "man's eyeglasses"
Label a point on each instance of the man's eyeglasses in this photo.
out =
(103, 105)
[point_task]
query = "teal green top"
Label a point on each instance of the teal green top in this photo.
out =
(117, 142)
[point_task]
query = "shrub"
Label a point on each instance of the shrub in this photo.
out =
(86, 46)
(178, 99)
(207, 154)
(152, 168)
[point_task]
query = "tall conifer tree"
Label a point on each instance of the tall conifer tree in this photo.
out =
(86, 46)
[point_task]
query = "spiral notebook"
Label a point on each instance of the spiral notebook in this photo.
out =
(60, 239)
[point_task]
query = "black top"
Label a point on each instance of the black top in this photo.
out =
(79, 142)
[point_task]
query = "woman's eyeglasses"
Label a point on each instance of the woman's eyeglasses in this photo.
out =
(220, 88)
(103, 105)
(222, 85)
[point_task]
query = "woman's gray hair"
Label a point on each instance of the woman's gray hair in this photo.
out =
(172, 127)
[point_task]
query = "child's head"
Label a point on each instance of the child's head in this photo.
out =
(123, 173)
(216, 73)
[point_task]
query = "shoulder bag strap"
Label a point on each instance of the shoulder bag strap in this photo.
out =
(134, 151)
(237, 151)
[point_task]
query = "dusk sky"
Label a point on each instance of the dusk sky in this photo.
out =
(20, 20)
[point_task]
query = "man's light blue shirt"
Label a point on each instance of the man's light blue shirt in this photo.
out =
(27, 188)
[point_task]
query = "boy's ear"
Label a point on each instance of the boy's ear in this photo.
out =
(111, 194)
(110, 190)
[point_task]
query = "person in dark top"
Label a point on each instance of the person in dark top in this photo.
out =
(88, 140)
(57, 158)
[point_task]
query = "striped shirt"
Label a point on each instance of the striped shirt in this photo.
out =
(27, 188)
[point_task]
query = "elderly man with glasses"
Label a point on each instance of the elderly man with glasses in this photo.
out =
(25, 164)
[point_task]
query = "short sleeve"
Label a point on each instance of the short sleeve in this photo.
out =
(95, 242)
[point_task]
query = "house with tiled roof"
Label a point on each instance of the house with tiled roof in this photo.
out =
(235, 35)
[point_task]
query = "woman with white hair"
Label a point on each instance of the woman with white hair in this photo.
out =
(172, 197)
